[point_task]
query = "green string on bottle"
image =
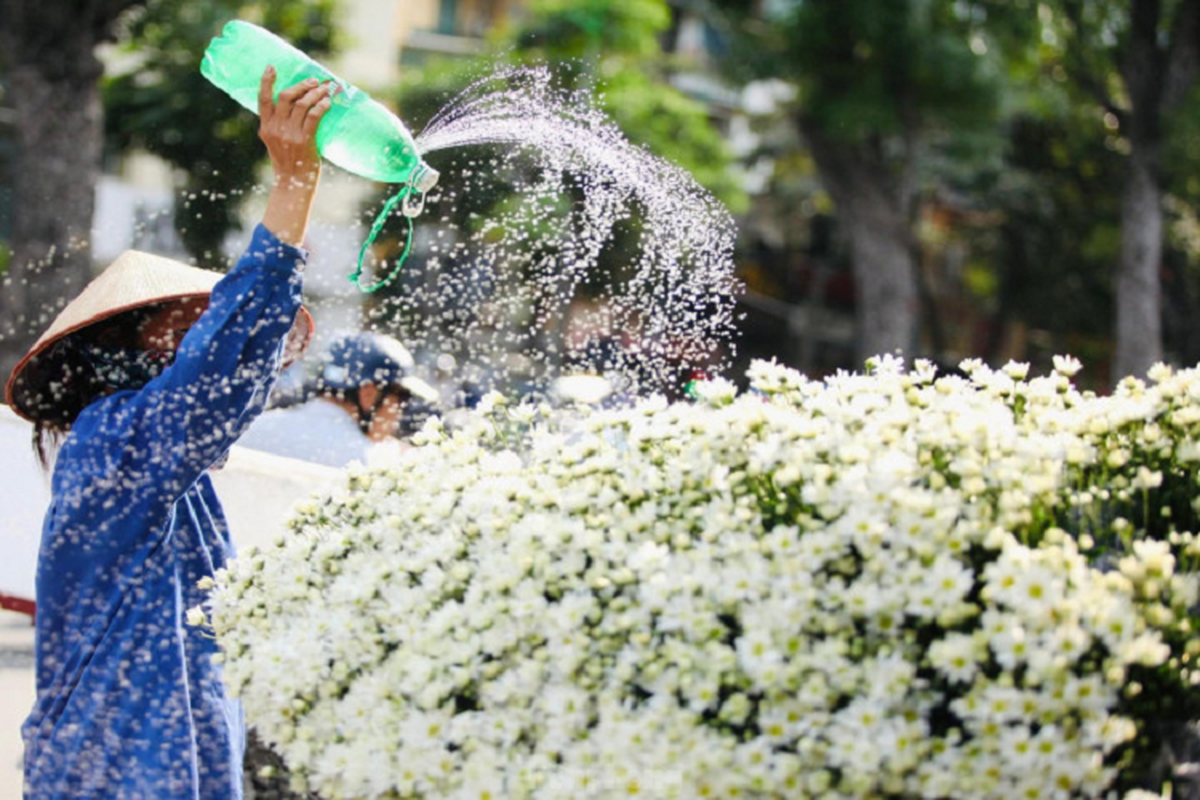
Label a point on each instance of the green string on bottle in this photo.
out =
(376, 227)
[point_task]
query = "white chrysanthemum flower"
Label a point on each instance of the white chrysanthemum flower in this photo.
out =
(958, 656)
(1067, 366)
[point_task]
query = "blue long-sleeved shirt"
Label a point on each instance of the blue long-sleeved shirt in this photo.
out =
(129, 704)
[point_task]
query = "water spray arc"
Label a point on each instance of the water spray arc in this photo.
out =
(505, 283)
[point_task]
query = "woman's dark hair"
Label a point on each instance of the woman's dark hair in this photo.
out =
(74, 385)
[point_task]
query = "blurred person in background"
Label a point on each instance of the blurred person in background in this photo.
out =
(364, 395)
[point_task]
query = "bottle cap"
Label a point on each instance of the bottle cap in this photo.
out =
(424, 178)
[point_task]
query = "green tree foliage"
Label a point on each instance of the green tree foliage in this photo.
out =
(893, 100)
(162, 104)
(615, 47)
(1136, 65)
(1051, 232)
(1181, 257)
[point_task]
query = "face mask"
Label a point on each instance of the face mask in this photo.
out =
(125, 367)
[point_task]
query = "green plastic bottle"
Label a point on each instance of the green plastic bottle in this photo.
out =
(357, 133)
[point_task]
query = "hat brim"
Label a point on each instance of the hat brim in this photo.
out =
(30, 380)
(419, 388)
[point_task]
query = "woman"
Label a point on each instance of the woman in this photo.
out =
(149, 379)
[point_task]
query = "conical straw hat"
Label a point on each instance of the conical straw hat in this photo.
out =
(133, 280)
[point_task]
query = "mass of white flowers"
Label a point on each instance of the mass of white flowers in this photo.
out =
(888, 584)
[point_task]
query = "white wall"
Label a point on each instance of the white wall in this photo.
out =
(24, 496)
